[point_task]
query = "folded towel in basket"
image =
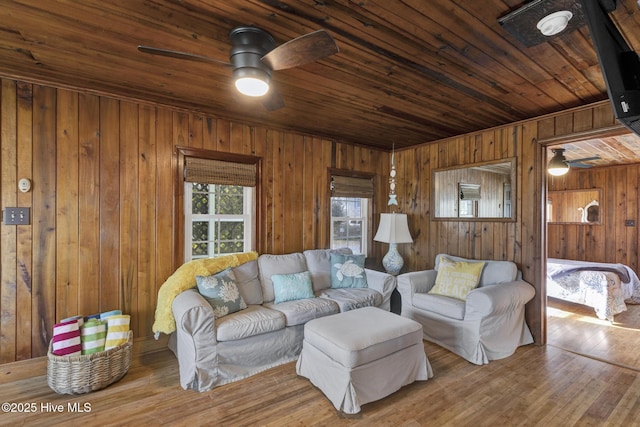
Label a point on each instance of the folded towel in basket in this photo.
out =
(117, 330)
(93, 335)
(66, 339)
(104, 316)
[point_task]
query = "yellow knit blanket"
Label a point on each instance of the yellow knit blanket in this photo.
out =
(185, 278)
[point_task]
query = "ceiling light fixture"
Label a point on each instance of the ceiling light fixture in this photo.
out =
(558, 165)
(251, 81)
(251, 76)
(554, 23)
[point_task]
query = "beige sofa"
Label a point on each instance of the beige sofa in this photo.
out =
(489, 325)
(213, 352)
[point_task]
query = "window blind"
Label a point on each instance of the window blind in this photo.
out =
(346, 186)
(209, 171)
(469, 192)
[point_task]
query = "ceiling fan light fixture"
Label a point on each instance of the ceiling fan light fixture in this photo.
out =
(554, 23)
(251, 81)
(558, 164)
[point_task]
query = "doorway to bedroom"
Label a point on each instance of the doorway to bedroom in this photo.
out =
(593, 312)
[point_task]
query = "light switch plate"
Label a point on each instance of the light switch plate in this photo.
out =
(16, 216)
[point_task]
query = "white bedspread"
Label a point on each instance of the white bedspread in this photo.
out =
(605, 287)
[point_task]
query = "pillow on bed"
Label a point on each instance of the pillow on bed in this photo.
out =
(456, 279)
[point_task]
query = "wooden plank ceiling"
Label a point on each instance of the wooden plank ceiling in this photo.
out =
(408, 72)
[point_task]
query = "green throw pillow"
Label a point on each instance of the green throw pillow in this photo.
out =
(347, 271)
(291, 287)
(220, 290)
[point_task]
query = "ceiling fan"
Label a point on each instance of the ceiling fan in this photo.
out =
(254, 56)
(559, 165)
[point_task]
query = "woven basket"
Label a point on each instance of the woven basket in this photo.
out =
(91, 372)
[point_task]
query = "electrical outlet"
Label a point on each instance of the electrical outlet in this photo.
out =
(630, 223)
(16, 216)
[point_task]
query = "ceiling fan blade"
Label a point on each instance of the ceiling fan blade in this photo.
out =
(273, 100)
(585, 159)
(179, 55)
(301, 50)
(580, 165)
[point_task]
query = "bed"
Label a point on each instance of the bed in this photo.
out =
(608, 288)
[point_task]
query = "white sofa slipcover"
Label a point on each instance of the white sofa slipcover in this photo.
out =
(212, 352)
(489, 325)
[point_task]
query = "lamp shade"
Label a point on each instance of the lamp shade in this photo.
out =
(393, 228)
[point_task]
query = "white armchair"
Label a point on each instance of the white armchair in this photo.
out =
(489, 325)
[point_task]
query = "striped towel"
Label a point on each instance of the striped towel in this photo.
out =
(66, 339)
(104, 316)
(117, 330)
(93, 335)
(80, 320)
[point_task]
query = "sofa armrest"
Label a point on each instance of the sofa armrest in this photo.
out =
(415, 282)
(497, 298)
(195, 337)
(382, 282)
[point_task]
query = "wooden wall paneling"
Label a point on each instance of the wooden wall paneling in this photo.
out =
(247, 136)
(323, 150)
(620, 185)
(88, 221)
(277, 221)
(261, 150)
(124, 296)
(530, 240)
(67, 213)
(196, 131)
(147, 218)
(24, 248)
(308, 210)
(610, 200)
(180, 138)
(8, 233)
(166, 165)
(633, 207)
(293, 193)
(209, 133)
(44, 223)
(223, 135)
(109, 205)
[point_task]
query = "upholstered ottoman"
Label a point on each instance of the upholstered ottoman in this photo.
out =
(362, 355)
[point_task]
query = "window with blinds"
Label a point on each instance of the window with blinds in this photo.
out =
(219, 207)
(350, 212)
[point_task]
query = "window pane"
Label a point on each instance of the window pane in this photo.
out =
(230, 200)
(200, 199)
(200, 231)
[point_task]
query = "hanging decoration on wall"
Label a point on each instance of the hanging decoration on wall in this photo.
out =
(392, 180)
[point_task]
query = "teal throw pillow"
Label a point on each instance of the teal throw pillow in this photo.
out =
(220, 290)
(290, 287)
(347, 271)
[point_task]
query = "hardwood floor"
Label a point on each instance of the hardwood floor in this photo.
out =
(576, 328)
(538, 385)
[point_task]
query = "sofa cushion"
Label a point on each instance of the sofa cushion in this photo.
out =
(493, 272)
(220, 290)
(254, 320)
(352, 298)
(301, 311)
(291, 287)
(445, 306)
(347, 271)
(456, 279)
(278, 264)
(319, 266)
(248, 282)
